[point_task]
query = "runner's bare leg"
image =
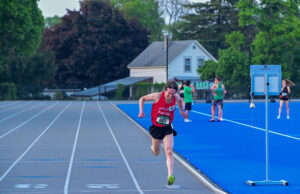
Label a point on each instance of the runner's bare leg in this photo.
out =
(168, 144)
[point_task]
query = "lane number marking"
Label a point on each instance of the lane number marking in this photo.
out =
(31, 186)
(102, 186)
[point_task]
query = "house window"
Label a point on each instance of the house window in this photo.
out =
(187, 64)
(200, 62)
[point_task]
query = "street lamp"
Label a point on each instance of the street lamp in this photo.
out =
(166, 42)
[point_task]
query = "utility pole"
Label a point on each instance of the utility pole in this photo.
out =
(167, 55)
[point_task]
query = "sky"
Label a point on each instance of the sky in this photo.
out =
(58, 7)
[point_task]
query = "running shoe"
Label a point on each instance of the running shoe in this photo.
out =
(171, 180)
(187, 120)
(211, 120)
(288, 117)
(278, 117)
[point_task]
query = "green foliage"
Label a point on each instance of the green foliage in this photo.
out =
(208, 23)
(120, 92)
(8, 91)
(208, 70)
(94, 45)
(232, 67)
(142, 89)
(35, 70)
(248, 11)
(233, 64)
(59, 96)
(21, 26)
(145, 11)
(235, 39)
(158, 87)
(51, 21)
(279, 32)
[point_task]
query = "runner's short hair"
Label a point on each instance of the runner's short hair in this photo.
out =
(188, 82)
(172, 85)
(218, 78)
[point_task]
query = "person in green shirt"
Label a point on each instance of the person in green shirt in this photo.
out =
(188, 90)
(218, 91)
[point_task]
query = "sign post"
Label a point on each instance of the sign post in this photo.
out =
(265, 81)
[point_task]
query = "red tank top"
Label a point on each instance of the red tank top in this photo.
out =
(162, 113)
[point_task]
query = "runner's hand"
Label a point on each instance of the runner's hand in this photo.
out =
(141, 115)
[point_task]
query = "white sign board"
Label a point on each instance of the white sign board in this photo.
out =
(265, 79)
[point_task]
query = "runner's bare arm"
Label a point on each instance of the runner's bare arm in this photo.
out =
(212, 89)
(193, 88)
(224, 90)
(289, 89)
(179, 102)
(152, 96)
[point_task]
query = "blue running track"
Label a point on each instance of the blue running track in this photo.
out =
(233, 151)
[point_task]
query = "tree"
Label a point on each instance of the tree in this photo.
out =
(232, 67)
(208, 70)
(21, 26)
(208, 23)
(173, 10)
(34, 70)
(145, 12)
(51, 21)
(279, 32)
(94, 45)
(233, 64)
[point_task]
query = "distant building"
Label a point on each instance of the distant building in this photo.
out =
(52, 92)
(184, 58)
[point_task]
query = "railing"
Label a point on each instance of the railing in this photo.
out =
(10, 91)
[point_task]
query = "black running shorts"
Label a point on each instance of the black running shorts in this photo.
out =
(161, 132)
(188, 106)
(215, 102)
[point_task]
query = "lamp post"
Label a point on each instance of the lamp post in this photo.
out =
(166, 46)
(167, 58)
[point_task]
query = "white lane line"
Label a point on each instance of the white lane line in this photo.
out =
(14, 106)
(32, 144)
(13, 115)
(194, 171)
(253, 127)
(121, 152)
(12, 130)
(73, 152)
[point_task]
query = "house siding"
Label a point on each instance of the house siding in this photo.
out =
(158, 74)
(176, 67)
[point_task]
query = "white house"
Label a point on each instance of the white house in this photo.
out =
(184, 58)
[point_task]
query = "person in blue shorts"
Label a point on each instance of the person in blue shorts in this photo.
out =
(218, 91)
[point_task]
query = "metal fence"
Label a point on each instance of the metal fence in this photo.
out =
(10, 91)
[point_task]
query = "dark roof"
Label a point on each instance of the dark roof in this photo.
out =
(155, 54)
(191, 78)
(102, 89)
(61, 90)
